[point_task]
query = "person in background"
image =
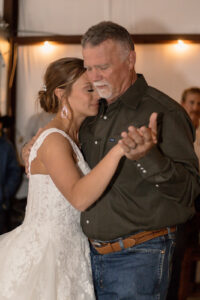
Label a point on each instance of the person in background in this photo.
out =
(187, 234)
(35, 122)
(191, 102)
(10, 176)
(132, 227)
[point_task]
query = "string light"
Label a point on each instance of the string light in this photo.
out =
(47, 47)
(181, 46)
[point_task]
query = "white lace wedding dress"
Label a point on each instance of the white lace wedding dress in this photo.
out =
(47, 257)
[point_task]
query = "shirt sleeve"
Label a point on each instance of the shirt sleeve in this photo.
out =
(172, 165)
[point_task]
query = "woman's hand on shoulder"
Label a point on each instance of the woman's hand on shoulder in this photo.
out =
(27, 149)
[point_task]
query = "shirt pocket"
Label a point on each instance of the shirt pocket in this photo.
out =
(111, 141)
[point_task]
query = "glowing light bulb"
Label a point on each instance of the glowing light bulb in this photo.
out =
(181, 46)
(47, 47)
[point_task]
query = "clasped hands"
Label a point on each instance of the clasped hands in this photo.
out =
(136, 142)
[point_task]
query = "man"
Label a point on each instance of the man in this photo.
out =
(191, 102)
(132, 227)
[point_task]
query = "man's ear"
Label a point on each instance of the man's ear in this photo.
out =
(132, 59)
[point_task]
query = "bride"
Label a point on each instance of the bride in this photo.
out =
(47, 257)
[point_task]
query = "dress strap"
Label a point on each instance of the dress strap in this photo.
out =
(40, 140)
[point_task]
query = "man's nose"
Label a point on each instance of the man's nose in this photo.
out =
(95, 75)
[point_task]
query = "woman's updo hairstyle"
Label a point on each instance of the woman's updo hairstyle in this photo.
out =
(61, 73)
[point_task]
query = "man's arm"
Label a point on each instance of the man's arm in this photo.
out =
(171, 165)
(137, 142)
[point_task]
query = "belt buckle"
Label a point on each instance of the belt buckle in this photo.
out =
(97, 244)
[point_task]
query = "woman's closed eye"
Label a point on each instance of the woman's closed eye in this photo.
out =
(90, 90)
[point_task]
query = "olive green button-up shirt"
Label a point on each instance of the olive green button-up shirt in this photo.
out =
(155, 191)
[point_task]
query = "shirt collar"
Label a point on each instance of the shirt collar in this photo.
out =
(135, 92)
(131, 97)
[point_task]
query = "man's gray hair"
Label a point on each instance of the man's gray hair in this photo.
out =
(105, 30)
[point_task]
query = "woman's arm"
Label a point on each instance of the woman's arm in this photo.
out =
(58, 161)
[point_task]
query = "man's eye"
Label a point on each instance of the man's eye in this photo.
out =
(103, 67)
(90, 90)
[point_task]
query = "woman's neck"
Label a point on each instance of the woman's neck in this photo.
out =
(71, 127)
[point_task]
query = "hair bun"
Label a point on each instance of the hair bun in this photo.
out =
(42, 96)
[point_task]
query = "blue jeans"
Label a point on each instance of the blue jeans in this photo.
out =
(141, 272)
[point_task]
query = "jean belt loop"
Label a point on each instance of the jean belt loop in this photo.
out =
(169, 231)
(121, 244)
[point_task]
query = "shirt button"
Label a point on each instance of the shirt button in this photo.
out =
(96, 142)
(144, 171)
(105, 117)
(87, 221)
(157, 185)
(138, 165)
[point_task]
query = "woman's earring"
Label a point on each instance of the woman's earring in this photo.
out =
(64, 112)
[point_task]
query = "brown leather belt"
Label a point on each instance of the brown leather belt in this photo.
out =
(130, 241)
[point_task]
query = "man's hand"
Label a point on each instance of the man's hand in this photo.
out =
(138, 141)
(27, 149)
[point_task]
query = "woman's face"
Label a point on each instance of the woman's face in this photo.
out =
(83, 99)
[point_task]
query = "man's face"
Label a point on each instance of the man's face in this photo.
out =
(192, 106)
(110, 68)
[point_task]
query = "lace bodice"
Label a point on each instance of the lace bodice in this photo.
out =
(51, 206)
(50, 247)
(81, 162)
